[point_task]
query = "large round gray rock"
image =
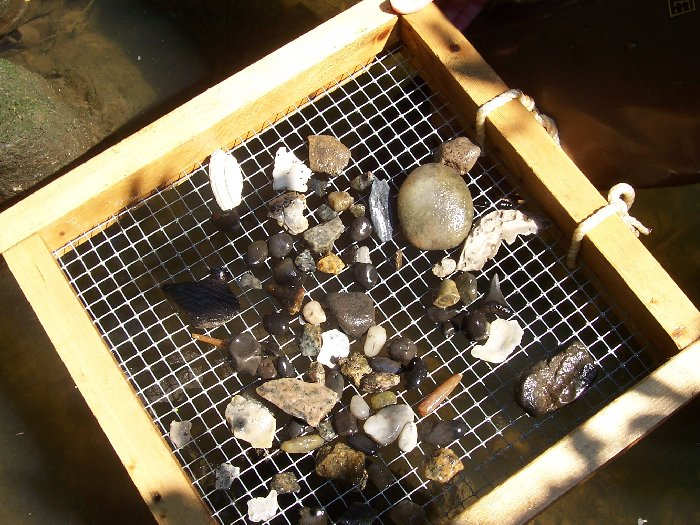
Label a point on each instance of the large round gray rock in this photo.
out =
(435, 207)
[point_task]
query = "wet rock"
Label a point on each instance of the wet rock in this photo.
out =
(408, 513)
(466, 286)
(359, 407)
(355, 367)
(325, 430)
(313, 313)
(398, 258)
(285, 367)
(321, 238)
(402, 349)
(316, 373)
(445, 432)
(363, 443)
(384, 364)
(379, 210)
(408, 438)
(305, 262)
(441, 315)
(382, 399)
(448, 329)
(459, 154)
(325, 213)
(340, 462)
(263, 509)
(318, 186)
(552, 383)
(353, 310)
(309, 401)
(362, 255)
(415, 372)
(335, 346)
(288, 211)
(248, 281)
(294, 429)
(344, 423)
(285, 483)
(360, 229)
(313, 516)
(267, 369)
(289, 173)
(280, 244)
(250, 421)
(374, 340)
(504, 337)
(378, 382)
(358, 514)
(362, 182)
(180, 433)
(357, 210)
(340, 200)
(447, 295)
(226, 221)
(285, 273)
(225, 474)
(311, 340)
(444, 268)
(246, 353)
(277, 323)
(365, 275)
(330, 264)
(442, 465)
(256, 253)
(386, 425)
(435, 208)
(335, 381)
(290, 296)
(437, 396)
(302, 444)
(327, 155)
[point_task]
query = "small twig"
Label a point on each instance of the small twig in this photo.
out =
(219, 343)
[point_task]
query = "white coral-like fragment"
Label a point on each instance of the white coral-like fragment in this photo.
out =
(251, 421)
(335, 345)
(504, 337)
(226, 179)
(263, 509)
(289, 172)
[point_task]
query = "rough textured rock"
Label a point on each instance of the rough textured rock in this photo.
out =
(180, 433)
(330, 264)
(311, 340)
(285, 483)
(504, 337)
(355, 367)
(305, 262)
(353, 310)
(308, 401)
(378, 382)
(251, 421)
(362, 182)
(327, 155)
(340, 200)
(442, 465)
(435, 208)
(460, 154)
(313, 313)
(339, 461)
(326, 430)
(321, 238)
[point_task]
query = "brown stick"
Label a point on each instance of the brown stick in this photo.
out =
(219, 343)
(438, 395)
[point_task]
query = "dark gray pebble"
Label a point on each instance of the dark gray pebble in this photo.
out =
(445, 432)
(365, 274)
(363, 443)
(277, 323)
(325, 213)
(335, 381)
(415, 372)
(305, 262)
(344, 423)
(267, 368)
(284, 272)
(295, 429)
(318, 186)
(227, 222)
(440, 315)
(402, 349)
(360, 229)
(384, 364)
(358, 514)
(245, 351)
(476, 325)
(313, 515)
(285, 367)
(280, 244)
(256, 253)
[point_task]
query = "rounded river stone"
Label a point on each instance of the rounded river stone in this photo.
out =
(280, 244)
(435, 207)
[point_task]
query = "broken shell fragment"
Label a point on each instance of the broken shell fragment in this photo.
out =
(327, 155)
(263, 509)
(437, 396)
(447, 294)
(309, 401)
(289, 173)
(226, 179)
(460, 154)
(504, 337)
(335, 345)
(250, 421)
(442, 465)
(444, 268)
(288, 210)
(330, 264)
(180, 433)
(362, 255)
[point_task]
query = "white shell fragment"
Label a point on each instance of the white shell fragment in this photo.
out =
(386, 425)
(359, 407)
(335, 345)
(263, 509)
(374, 340)
(226, 179)
(487, 234)
(225, 474)
(444, 268)
(362, 255)
(180, 433)
(288, 211)
(250, 421)
(289, 172)
(408, 439)
(504, 336)
(313, 313)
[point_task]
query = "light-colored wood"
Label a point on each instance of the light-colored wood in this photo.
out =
(625, 267)
(613, 429)
(219, 343)
(146, 456)
(162, 151)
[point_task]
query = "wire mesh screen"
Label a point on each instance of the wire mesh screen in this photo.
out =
(392, 122)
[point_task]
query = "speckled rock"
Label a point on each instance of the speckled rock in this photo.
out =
(326, 431)
(382, 399)
(362, 182)
(310, 341)
(460, 154)
(353, 310)
(435, 208)
(225, 474)
(316, 373)
(305, 262)
(313, 313)
(355, 367)
(378, 382)
(359, 407)
(340, 200)
(442, 465)
(318, 186)
(374, 340)
(386, 425)
(309, 401)
(330, 264)
(327, 155)
(285, 483)
(325, 213)
(339, 461)
(322, 237)
(302, 444)
(250, 421)
(357, 210)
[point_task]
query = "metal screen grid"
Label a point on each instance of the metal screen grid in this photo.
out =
(392, 122)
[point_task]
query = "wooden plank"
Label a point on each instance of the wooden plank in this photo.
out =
(158, 154)
(613, 429)
(625, 267)
(138, 443)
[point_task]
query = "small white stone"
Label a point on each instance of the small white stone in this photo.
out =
(289, 172)
(251, 421)
(408, 439)
(362, 255)
(504, 336)
(225, 474)
(359, 407)
(226, 179)
(335, 345)
(313, 313)
(444, 268)
(386, 425)
(263, 509)
(374, 340)
(180, 433)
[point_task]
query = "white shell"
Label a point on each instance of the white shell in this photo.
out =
(251, 421)
(444, 267)
(226, 179)
(263, 509)
(408, 439)
(335, 344)
(289, 172)
(504, 336)
(180, 433)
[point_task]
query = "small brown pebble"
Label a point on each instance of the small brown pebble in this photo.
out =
(317, 373)
(285, 483)
(331, 264)
(378, 382)
(290, 297)
(447, 294)
(340, 200)
(398, 259)
(460, 154)
(355, 367)
(267, 369)
(442, 465)
(437, 396)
